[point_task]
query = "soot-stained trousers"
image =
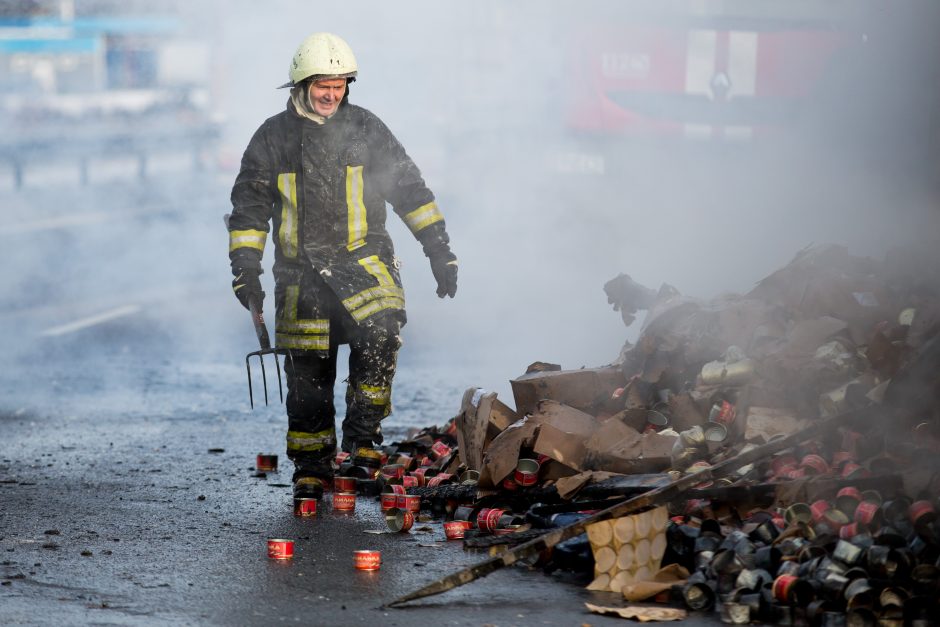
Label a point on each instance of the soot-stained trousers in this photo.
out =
(323, 189)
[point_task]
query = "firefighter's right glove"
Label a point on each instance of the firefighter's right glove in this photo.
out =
(247, 286)
(444, 268)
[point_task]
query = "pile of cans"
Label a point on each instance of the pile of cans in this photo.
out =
(801, 566)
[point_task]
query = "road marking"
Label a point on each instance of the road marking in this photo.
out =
(91, 321)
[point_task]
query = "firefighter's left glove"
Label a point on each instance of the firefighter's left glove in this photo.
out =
(444, 268)
(247, 286)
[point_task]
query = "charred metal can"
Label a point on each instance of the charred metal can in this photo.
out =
(464, 513)
(439, 449)
(399, 520)
(455, 529)
(344, 484)
(766, 532)
(421, 474)
(885, 562)
(859, 593)
(798, 513)
(409, 502)
(407, 462)
(698, 596)
(266, 462)
(344, 501)
(305, 508)
(735, 613)
(280, 549)
(847, 553)
(367, 560)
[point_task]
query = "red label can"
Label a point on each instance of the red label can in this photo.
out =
(851, 470)
(344, 484)
(439, 479)
(344, 501)
(439, 450)
(409, 502)
(781, 463)
(814, 464)
(341, 457)
(920, 511)
(280, 549)
(819, 508)
(781, 587)
(492, 519)
(367, 560)
(389, 501)
(849, 531)
(393, 471)
(266, 462)
(409, 481)
(867, 513)
(305, 508)
(455, 529)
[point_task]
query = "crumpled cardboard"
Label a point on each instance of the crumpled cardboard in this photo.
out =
(763, 423)
(588, 389)
(640, 613)
(568, 487)
(502, 455)
(662, 580)
(482, 417)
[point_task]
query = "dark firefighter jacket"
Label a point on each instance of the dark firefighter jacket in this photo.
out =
(323, 188)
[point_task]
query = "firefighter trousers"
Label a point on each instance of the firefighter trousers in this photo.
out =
(311, 414)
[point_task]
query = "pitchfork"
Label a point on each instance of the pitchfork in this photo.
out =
(262, 332)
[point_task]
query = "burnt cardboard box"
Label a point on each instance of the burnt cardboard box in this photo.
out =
(588, 389)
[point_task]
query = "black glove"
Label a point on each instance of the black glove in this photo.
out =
(247, 286)
(444, 268)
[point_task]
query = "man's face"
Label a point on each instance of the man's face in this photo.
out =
(325, 95)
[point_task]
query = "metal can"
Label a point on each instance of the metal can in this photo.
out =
(798, 512)
(527, 472)
(818, 508)
(266, 462)
(399, 520)
(367, 559)
(409, 481)
(393, 471)
(439, 450)
(305, 508)
(389, 499)
(344, 484)
(722, 413)
(409, 502)
(455, 529)
(921, 513)
(344, 501)
(440, 479)
(280, 549)
(814, 464)
(341, 457)
(868, 513)
(847, 499)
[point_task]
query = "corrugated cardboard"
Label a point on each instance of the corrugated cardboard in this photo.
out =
(587, 389)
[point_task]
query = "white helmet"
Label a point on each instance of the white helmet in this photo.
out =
(322, 54)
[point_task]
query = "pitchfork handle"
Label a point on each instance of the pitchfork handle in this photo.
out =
(260, 329)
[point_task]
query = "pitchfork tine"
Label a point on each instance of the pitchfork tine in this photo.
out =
(264, 377)
(251, 396)
(277, 364)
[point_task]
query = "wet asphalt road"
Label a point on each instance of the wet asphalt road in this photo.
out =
(131, 521)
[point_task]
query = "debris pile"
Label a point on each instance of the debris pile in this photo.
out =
(768, 456)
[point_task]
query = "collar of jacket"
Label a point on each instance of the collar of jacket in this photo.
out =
(299, 104)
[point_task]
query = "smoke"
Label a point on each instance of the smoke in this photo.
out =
(540, 214)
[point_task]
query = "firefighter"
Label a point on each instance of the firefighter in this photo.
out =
(320, 173)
